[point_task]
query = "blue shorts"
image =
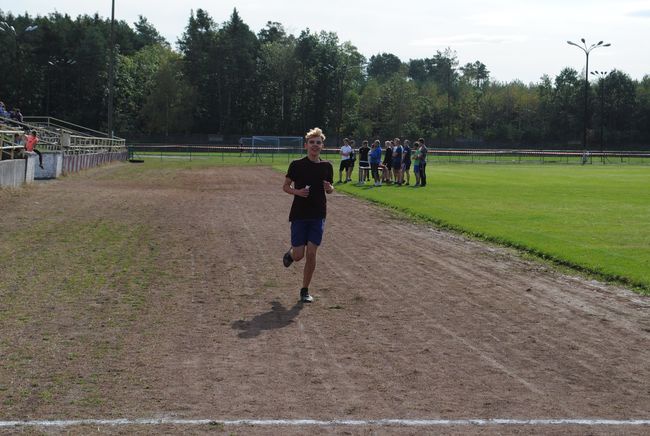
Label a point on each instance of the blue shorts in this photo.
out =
(307, 230)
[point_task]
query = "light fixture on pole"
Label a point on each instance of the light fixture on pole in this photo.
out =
(587, 50)
(5, 27)
(55, 62)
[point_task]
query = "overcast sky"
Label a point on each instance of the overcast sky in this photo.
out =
(515, 39)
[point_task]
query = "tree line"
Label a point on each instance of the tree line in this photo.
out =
(224, 78)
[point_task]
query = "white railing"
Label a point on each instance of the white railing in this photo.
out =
(89, 144)
(74, 129)
(8, 147)
(68, 138)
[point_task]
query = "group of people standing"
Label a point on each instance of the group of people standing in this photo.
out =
(310, 179)
(395, 166)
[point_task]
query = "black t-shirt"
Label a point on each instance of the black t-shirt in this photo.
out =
(388, 156)
(304, 172)
(363, 153)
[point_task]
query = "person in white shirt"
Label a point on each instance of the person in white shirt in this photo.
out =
(346, 161)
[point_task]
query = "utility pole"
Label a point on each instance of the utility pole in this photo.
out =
(111, 71)
(586, 50)
(601, 84)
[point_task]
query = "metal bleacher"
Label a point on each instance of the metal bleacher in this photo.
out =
(68, 138)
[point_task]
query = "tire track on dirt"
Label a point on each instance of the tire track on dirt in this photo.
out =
(423, 336)
(408, 320)
(460, 268)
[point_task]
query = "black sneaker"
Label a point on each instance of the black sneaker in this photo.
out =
(305, 297)
(287, 260)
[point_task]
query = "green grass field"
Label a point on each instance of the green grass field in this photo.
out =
(593, 218)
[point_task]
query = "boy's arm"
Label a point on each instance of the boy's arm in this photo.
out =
(329, 178)
(304, 192)
(287, 186)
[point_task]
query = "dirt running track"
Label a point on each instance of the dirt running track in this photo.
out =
(408, 321)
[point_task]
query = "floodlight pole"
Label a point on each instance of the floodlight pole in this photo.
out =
(111, 71)
(586, 50)
(601, 80)
(5, 27)
(339, 119)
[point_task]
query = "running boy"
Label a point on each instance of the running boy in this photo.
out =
(308, 180)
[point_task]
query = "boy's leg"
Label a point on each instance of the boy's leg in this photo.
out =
(298, 240)
(297, 253)
(315, 237)
(310, 264)
(40, 158)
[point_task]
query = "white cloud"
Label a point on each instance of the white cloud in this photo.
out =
(468, 39)
(644, 13)
(515, 39)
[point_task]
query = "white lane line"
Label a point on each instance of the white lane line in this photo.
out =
(335, 422)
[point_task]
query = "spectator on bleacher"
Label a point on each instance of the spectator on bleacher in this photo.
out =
(3, 110)
(16, 115)
(19, 138)
(30, 146)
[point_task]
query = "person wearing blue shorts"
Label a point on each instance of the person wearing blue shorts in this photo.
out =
(308, 180)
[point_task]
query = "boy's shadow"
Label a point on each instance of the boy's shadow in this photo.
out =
(277, 318)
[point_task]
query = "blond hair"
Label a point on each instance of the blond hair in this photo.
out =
(316, 131)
